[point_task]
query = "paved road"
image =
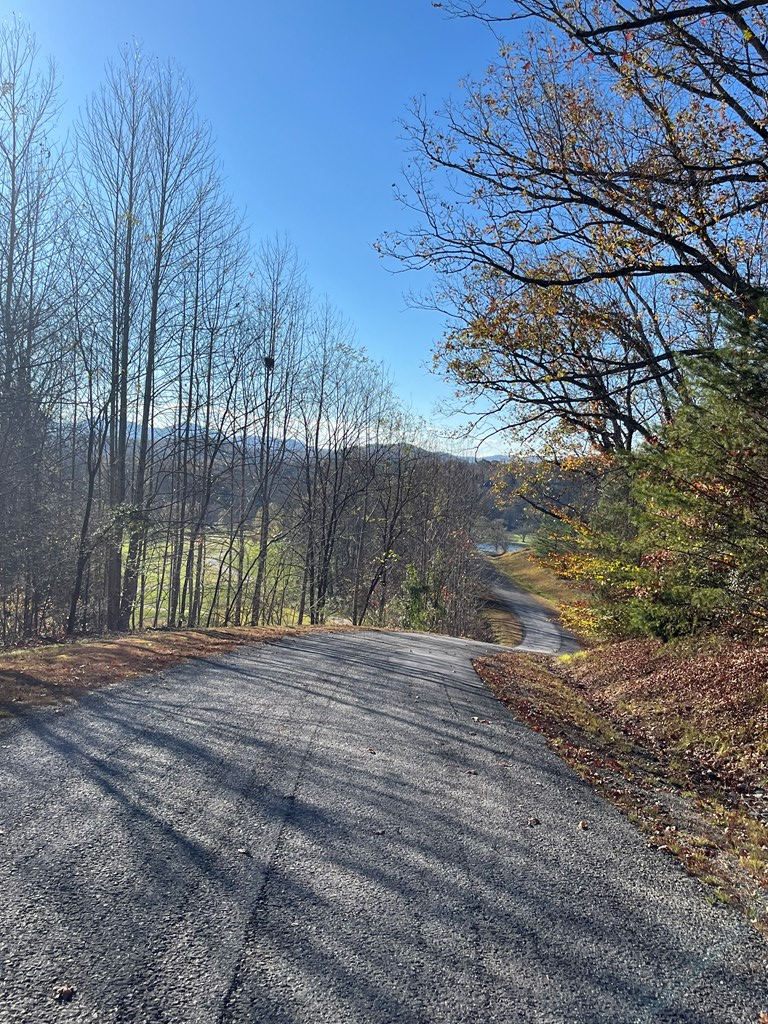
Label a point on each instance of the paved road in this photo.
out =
(413, 855)
(542, 633)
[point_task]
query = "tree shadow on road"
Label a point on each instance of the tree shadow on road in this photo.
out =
(347, 829)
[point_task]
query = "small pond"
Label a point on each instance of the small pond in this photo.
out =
(491, 549)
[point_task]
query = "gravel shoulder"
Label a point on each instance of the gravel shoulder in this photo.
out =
(345, 829)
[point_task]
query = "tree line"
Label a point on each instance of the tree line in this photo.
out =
(595, 207)
(187, 435)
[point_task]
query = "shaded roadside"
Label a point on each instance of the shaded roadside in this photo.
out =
(63, 672)
(673, 737)
(707, 812)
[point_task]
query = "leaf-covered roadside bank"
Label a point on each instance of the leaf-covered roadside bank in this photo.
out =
(61, 672)
(676, 740)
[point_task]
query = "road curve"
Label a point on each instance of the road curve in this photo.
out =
(542, 632)
(344, 829)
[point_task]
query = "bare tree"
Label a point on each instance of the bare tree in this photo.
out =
(283, 311)
(180, 178)
(112, 158)
(32, 318)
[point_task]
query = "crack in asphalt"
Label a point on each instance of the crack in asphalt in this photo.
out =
(290, 811)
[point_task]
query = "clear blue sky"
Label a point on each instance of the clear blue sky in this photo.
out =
(303, 97)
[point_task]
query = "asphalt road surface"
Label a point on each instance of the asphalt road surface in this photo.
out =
(341, 828)
(542, 632)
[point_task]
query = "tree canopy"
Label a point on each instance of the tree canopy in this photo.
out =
(607, 175)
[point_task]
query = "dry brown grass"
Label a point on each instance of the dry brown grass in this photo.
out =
(522, 568)
(658, 734)
(502, 624)
(50, 674)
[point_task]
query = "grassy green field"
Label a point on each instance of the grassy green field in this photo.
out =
(216, 554)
